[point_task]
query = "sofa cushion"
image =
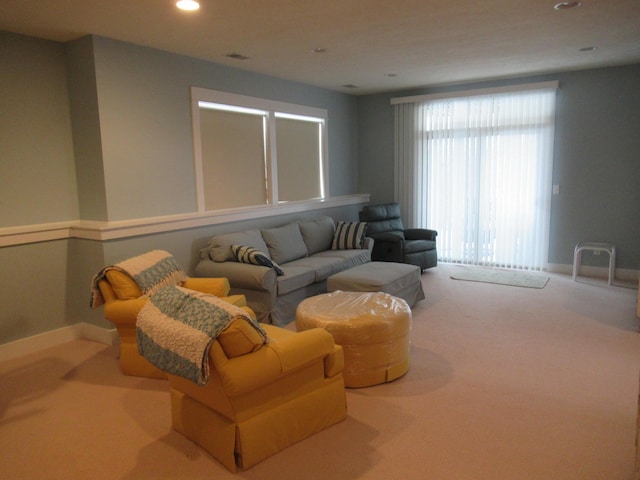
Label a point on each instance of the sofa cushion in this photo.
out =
(295, 278)
(347, 258)
(317, 234)
(349, 235)
(284, 243)
(220, 245)
(239, 338)
(322, 267)
(244, 254)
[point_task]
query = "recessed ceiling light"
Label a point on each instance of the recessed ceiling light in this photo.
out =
(390, 75)
(567, 5)
(318, 50)
(189, 5)
(588, 49)
(350, 85)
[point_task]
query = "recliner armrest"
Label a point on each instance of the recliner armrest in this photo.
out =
(388, 237)
(420, 234)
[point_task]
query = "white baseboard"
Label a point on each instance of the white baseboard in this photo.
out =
(36, 343)
(623, 274)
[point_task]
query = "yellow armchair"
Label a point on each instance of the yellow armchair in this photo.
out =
(258, 403)
(123, 300)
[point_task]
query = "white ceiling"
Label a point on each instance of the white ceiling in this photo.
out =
(421, 42)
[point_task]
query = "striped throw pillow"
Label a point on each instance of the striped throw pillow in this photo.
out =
(244, 254)
(349, 235)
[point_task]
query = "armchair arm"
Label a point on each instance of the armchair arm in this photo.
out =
(276, 359)
(214, 286)
(124, 311)
(296, 350)
(420, 234)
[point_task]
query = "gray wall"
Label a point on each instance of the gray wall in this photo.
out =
(596, 158)
(97, 129)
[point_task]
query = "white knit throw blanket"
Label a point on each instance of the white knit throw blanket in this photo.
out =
(176, 327)
(151, 271)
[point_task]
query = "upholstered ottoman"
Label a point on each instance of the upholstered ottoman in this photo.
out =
(372, 328)
(397, 279)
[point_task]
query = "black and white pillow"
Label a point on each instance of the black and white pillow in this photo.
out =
(349, 235)
(244, 254)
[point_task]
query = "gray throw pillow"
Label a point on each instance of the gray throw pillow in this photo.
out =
(285, 243)
(220, 245)
(317, 234)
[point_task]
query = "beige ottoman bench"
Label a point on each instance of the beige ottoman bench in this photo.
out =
(372, 328)
(397, 279)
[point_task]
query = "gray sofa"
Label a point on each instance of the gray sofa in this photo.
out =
(303, 250)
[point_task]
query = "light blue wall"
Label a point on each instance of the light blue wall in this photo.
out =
(87, 141)
(145, 124)
(596, 158)
(130, 146)
(36, 147)
(118, 115)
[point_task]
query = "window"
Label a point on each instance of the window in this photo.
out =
(252, 152)
(477, 168)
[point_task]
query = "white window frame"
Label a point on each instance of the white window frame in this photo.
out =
(271, 110)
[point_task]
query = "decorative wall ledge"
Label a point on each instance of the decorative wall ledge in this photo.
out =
(94, 230)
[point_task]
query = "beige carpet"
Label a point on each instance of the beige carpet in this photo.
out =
(505, 384)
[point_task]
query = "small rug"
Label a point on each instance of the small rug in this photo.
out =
(500, 276)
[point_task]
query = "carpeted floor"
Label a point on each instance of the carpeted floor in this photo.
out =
(505, 384)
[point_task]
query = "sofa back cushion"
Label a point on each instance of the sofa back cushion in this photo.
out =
(285, 243)
(220, 246)
(317, 234)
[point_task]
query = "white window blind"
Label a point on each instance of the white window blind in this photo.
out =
(477, 168)
(251, 152)
(233, 150)
(298, 144)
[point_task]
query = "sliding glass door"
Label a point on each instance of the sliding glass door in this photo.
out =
(483, 176)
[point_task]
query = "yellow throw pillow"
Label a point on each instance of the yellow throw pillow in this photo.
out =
(239, 338)
(123, 285)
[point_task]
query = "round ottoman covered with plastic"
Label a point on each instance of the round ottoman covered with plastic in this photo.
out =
(373, 328)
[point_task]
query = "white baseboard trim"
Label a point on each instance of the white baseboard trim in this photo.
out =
(42, 341)
(623, 274)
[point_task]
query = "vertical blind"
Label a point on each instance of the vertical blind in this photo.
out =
(478, 169)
